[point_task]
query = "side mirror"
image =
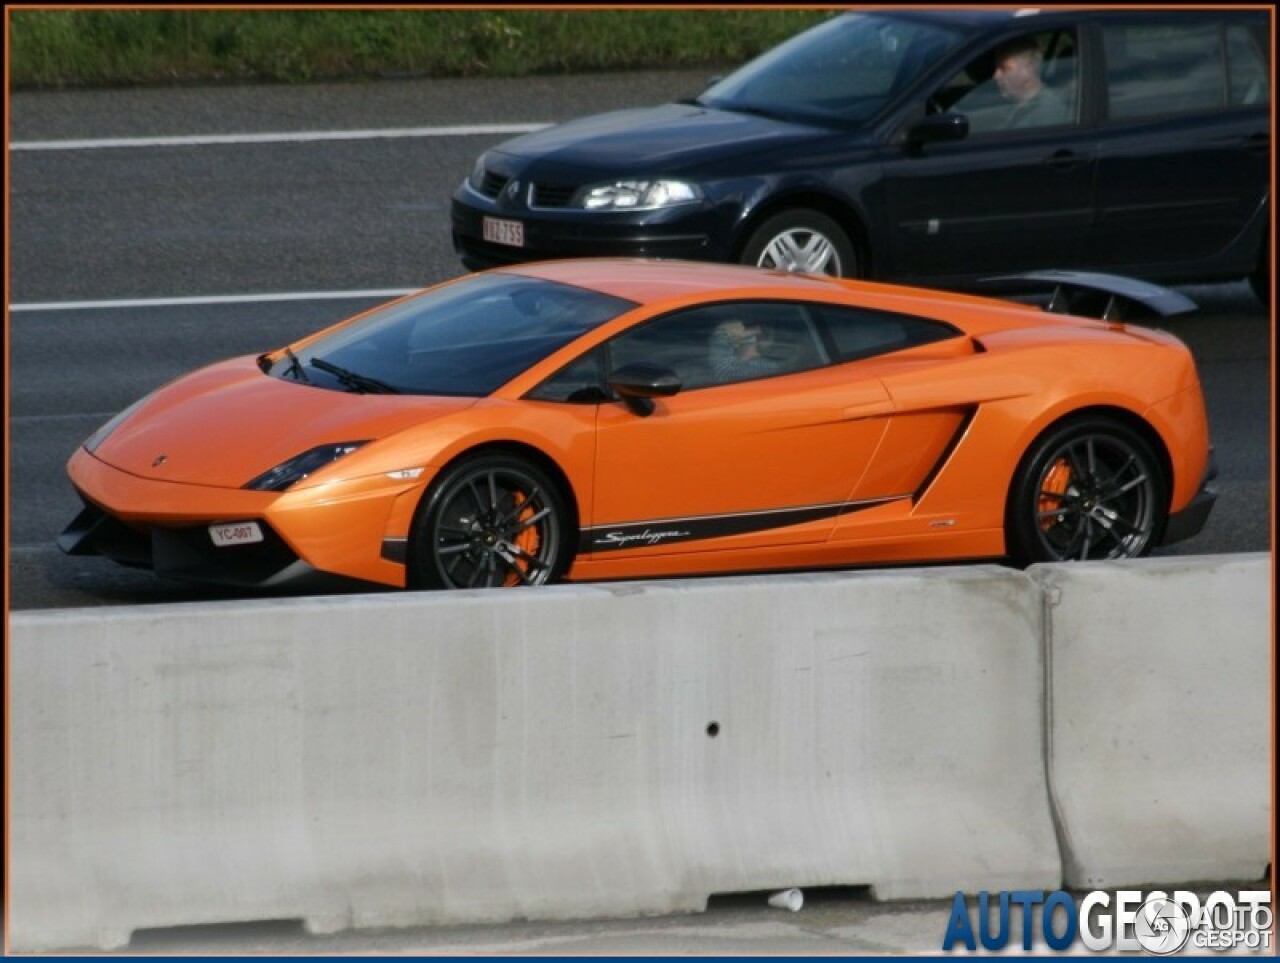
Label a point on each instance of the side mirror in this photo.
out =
(639, 383)
(937, 128)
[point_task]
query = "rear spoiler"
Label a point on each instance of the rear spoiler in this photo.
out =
(1106, 296)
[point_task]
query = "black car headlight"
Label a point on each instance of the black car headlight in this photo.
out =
(637, 195)
(300, 466)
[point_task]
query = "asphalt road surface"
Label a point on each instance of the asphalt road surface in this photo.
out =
(254, 218)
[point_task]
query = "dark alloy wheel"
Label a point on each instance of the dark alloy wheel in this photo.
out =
(487, 522)
(1091, 488)
(804, 242)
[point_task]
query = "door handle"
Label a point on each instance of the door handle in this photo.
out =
(1065, 159)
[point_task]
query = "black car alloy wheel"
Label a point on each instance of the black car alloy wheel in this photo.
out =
(1090, 488)
(802, 241)
(489, 521)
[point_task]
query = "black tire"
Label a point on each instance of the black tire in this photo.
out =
(1088, 488)
(802, 241)
(488, 521)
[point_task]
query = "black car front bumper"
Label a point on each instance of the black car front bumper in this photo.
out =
(688, 233)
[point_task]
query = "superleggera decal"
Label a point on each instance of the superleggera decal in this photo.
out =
(647, 537)
(612, 538)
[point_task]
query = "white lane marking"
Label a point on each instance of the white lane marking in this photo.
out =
(299, 137)
(212, 299)
(70, 416)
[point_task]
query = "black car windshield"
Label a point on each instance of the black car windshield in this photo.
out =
(468, 338)
(844, 70)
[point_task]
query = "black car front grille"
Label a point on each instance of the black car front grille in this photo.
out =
(492, 184)
(548, 195)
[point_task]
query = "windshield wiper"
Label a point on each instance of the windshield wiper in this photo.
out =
(356, 382)
(296, 366)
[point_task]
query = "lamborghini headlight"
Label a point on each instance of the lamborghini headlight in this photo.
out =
(300, 466)
(637, 195)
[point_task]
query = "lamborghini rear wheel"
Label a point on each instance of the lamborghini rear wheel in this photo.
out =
(1090, 488)
(490, 521)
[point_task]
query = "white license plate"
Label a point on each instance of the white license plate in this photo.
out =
(498, 231)
(235, 533)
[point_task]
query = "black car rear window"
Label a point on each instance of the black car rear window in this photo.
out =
(467, 339)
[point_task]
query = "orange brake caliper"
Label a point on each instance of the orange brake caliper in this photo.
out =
(527, 542)
(1053, 489)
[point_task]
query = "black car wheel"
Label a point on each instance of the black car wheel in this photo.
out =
(490, 521)
(1090, 488)
(802, 241)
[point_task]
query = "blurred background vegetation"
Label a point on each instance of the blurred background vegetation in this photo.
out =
(51, 48)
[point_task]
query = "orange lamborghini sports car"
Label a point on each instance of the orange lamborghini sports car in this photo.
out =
(603, 419)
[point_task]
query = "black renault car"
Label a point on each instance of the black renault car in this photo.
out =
(897, 145)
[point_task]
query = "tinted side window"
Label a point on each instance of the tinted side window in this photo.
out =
(1028, 81)
(724, 343)
(863, 333)
(1165, 68)
(579, 382)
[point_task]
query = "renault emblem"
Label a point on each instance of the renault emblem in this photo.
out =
(160, 460)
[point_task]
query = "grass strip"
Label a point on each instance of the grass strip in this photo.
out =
(54, 48)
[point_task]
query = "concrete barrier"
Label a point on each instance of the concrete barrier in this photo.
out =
(1160, 724)
(614, 750)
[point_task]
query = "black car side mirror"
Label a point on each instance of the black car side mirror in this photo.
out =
(937, 128)
(637, 384)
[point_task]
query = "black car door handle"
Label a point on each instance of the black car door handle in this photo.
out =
(1257, 143)
(1065, 160)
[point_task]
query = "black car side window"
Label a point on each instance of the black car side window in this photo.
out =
(858, 333)
(1024, 82)
(1164, 68)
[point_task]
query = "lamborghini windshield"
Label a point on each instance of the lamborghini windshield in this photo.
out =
(468, 338)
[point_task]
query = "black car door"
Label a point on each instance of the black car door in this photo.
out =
(1003, 197)
(1184, 161)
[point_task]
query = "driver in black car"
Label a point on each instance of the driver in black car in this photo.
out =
(1017, 74)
